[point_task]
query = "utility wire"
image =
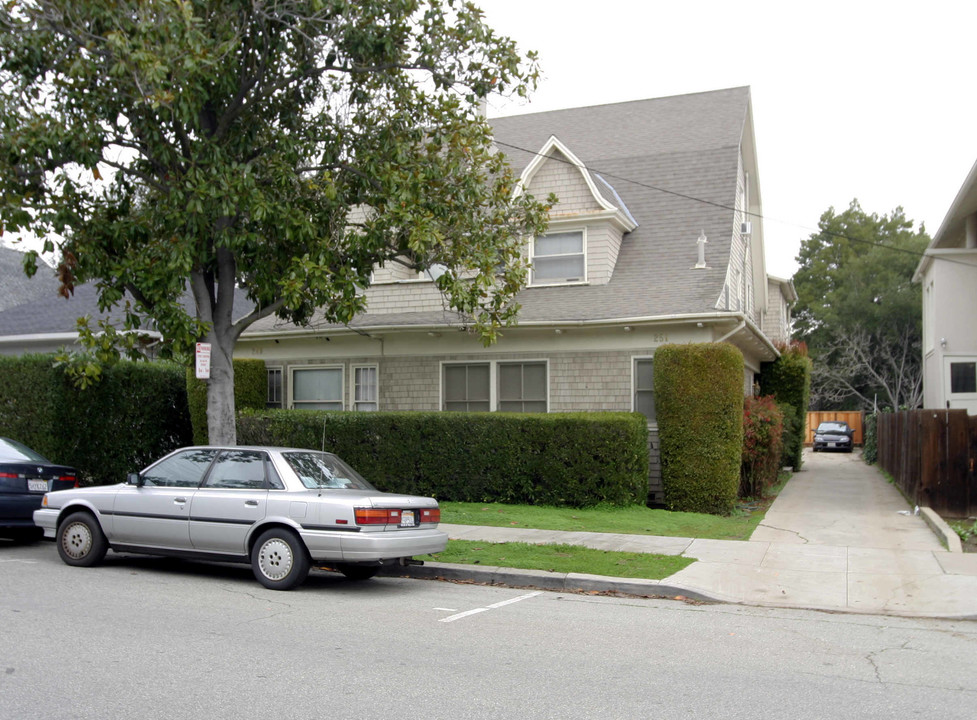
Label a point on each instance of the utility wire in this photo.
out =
(722, 206)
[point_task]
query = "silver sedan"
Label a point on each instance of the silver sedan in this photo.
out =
(282, 510)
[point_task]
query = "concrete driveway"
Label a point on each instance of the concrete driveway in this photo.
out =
(839, 537)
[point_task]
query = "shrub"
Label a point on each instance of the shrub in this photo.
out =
(763, 429)
(250, 393)
(699, 402)
(133, 415)
(576, 459)
(788, 379)
(870, 438)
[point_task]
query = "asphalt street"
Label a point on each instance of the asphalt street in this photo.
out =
(161, 638)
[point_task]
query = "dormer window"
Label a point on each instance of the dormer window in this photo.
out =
(559, 258)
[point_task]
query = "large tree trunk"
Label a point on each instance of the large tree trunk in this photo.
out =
(221, 423)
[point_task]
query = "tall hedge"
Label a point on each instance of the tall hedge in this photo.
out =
(788, 379)
(133, 415)
(573, 459)
(250, 393)
(699, 401)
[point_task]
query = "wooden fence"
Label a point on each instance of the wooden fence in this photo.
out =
(930, 454)
(854, 420)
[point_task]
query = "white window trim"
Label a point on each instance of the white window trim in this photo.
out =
(352, 384)
(280, 369)
(582, 229)
(634, 359)
(493, 378)
(291, 381)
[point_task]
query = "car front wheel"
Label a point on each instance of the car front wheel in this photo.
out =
(279, 560)
(80, 540)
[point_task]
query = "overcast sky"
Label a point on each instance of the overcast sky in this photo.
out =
(856, 99)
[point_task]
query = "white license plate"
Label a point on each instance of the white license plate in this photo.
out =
(37, 485)
(406, 518)
(832, 444)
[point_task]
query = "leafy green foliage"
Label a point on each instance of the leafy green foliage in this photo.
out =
(574, 459)
(135, 414)
(763, 430)
(250, 393)
(788, 380)
(859, 311)
(283, 148)
(699, 399)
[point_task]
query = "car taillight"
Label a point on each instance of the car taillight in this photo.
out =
(69, 478)
(9, 475)
(374, 516)
(431, 515)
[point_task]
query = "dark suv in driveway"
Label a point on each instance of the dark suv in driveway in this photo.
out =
(833, 435)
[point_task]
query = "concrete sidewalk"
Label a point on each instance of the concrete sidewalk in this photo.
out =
(835, 539)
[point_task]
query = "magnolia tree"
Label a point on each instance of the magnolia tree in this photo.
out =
(175, 148)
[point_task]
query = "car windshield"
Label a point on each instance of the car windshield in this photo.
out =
(322, 470)
(11, 450)
(829, 427)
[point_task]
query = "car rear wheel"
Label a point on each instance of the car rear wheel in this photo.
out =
(279, 560)
(80, 540)
(358, 572)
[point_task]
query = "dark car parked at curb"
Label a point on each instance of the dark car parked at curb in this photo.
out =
(25, 476)
(282, 510)
(833, 435)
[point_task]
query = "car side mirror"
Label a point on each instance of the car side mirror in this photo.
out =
(134, 479)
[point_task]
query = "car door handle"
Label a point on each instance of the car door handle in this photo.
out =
(180, 501)
(251, 503)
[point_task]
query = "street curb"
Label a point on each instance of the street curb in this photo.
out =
(541, 580)
(943, 531)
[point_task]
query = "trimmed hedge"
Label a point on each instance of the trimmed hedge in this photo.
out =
(250, 393)
(699, 401)
(135, 414)
(788, 379)
(573, 459)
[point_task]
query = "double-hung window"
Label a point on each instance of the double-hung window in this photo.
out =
(318, 388)
(644, 388)
(559, 258)
(466, 387)
(365, 388)
(274, 398)
(522, 387)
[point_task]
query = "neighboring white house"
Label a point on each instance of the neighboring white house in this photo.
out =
(948, 274)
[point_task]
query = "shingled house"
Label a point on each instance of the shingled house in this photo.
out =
(657, 238)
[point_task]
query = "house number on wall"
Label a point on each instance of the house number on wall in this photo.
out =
(659, 338)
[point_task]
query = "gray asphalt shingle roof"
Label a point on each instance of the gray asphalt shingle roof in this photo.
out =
(15, 287)
(688, 145)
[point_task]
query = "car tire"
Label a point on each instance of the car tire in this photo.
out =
(279, 560)
(358, 572)
(81, 542)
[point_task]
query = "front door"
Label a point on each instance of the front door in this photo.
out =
(157, 512)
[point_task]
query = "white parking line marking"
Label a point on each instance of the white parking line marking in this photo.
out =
(26, 562)
(459, 616)
(447, 609)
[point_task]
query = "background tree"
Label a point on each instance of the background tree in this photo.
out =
(858, 310)
(282, 147)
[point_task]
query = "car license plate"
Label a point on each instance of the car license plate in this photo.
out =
(832, 444)
(407, 518)
(37, 485)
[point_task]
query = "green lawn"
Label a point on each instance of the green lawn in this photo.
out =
(637, 520)
(561, 559)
